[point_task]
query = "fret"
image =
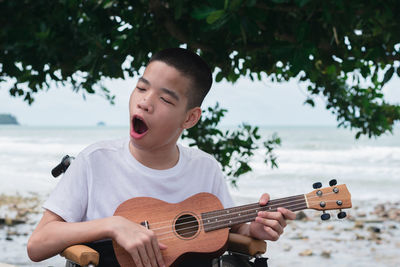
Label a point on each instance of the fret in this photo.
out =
(218, 219)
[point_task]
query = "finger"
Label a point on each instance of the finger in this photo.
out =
(152, 254)
(158, 256)
(273, 216)
(274, 224)
(264, 199)
(287, 214)
(273, 236)
(136, 258)
(143, 256)
(162, 246)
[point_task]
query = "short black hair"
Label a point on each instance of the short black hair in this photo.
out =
(193, 67)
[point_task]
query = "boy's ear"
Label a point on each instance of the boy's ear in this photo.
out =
(192, 117)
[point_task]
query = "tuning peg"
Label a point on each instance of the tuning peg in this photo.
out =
(332, 182)
(341, 214)
(317, 185)
(325, 216)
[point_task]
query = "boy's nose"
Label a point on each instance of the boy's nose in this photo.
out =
(146, 105)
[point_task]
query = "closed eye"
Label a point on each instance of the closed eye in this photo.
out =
(166, 101)
(140, 89)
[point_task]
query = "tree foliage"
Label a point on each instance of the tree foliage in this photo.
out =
(345, 51)
(339, 47)
(234, 149)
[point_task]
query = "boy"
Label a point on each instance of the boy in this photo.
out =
(166, 101)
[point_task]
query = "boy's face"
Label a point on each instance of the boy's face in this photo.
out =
(158, 107)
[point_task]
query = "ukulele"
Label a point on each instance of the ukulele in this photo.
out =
(200, 224)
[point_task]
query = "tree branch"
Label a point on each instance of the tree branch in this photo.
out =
(162, 14)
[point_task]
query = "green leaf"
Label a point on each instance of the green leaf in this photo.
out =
(331, 70)
(214, 16)
(302, 3)
(202, 12)
(310, 102)
(108, 4)
(388, 75)
(219, 76)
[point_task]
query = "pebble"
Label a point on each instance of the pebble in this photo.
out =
(359, 224)
(301, 216)
(287, 247)
(361, 214)
(326, 254)
(360, 237)
(299, 236)
(307, 252)
(374, 229)
(330, 227)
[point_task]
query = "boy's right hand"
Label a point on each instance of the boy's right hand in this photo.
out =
(138, 241)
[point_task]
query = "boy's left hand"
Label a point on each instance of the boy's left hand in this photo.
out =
(269, 225)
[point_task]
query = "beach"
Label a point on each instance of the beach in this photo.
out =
(368, 236)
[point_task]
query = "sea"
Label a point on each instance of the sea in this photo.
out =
(370, 167)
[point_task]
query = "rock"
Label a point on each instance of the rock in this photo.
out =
(393, 214)
(360, 237)
(379, 209)
(11, 222)
(326, 254)
(287, 247)
(301, 216)
(330, 227)
(374, 229)
(359, 224)
(375, 237)
(299, 236)
(307, 252)
(8, 221)
(361, 214)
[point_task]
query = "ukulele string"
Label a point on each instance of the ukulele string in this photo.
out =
(271, 201)
(271, 207)
(293, 206)
(195, 228)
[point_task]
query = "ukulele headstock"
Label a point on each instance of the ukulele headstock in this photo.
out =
(329, 198)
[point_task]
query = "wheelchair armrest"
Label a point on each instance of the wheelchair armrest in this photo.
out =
(84, 255)
(81, 255)
(246, 245)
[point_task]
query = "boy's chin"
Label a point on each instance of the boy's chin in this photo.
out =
(137, 144)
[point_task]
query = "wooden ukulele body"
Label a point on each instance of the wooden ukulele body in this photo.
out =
(174, 226)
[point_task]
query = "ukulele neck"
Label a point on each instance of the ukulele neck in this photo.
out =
(224, 218)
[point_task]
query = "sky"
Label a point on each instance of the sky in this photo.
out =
(260, 103)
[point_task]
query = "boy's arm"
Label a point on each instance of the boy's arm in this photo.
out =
(53, 235)
(267, 225)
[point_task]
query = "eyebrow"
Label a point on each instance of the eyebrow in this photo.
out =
(165, 90)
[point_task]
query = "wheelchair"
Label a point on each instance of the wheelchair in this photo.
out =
(242, 251)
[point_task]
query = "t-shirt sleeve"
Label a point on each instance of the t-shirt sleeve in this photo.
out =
(221, 190)
(70, 197)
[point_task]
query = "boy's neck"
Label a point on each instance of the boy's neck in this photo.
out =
(160, 159)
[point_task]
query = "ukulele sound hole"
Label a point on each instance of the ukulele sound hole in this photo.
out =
(186, 226)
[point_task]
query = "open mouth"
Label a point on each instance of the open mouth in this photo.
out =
(139, 126)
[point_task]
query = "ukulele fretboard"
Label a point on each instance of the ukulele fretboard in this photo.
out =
(219, 219)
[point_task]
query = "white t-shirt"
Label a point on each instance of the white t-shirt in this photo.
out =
(106, 174)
